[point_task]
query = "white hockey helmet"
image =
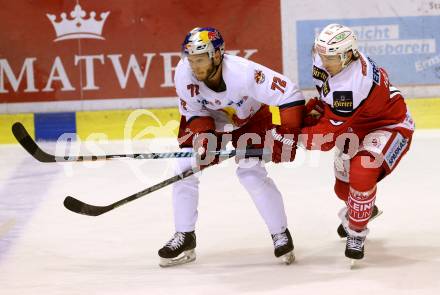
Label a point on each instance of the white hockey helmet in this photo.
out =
(337, 39)
(203, 40)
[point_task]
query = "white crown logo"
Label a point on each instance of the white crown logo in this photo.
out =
(78, 27)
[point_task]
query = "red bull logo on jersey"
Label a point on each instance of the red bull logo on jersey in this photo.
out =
(259, 77)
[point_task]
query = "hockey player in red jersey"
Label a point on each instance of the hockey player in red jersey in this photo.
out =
(364, 117)
(223, 96)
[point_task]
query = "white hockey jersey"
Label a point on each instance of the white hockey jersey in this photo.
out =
(348, 89)
(248, 86)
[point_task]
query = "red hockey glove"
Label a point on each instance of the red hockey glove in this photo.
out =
(314, 110)
(284, 146)
(203, 144)
(286, 136)
(315, 104)
(198, 133)
(193, 126)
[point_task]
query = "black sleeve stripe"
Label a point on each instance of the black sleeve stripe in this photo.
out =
(292, 104)
(192, 118)
(341, 114)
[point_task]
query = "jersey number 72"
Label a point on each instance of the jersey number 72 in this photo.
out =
(279, 84)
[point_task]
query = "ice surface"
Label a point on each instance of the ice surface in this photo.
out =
(46, 249)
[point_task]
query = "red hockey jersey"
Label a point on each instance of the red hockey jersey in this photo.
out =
(359, 100)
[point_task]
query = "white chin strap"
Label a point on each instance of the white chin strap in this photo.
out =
(344, 60)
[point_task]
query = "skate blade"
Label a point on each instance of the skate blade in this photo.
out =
(379, 213)
(288, 258)
(353, 263)
(185, 257)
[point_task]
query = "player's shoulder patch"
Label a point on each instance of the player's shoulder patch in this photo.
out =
(259, 76)
(343, 101)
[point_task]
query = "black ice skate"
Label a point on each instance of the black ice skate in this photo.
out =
(178, 250)
(283, 245)
(341, 230)
(354, 248)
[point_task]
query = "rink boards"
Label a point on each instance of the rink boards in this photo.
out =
(131, 124)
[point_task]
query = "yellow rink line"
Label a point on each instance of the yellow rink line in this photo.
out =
(142, 124)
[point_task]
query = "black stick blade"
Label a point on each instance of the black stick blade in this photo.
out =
(26, 141)
(80, 207)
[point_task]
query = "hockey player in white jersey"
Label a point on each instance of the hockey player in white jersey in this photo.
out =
(227, 97)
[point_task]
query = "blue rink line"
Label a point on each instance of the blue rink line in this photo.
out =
(20, 197)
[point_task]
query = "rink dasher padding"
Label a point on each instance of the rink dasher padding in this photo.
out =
(94, 125)
(6, 121)
(425, 112)
(148, 123)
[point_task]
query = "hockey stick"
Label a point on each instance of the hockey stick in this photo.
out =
(32, 148)
(80, 207)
